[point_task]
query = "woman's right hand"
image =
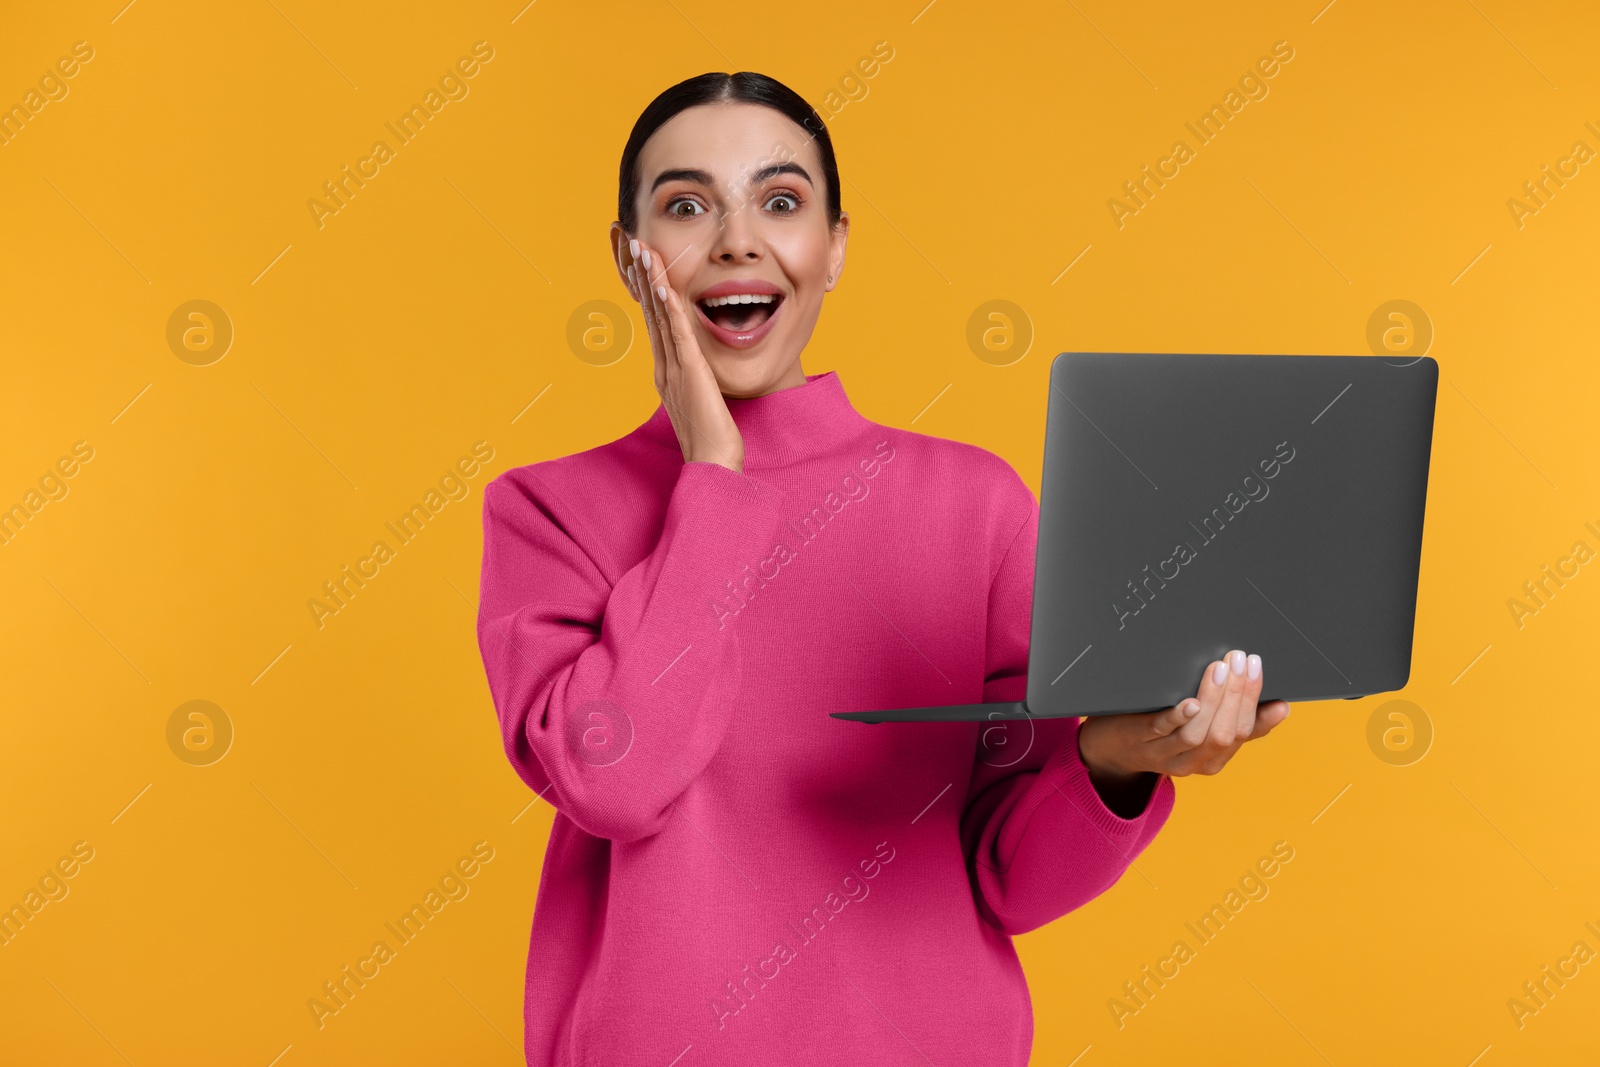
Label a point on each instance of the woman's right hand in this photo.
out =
(689, 390)
(1197, 736)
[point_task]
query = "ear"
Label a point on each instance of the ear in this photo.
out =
(619, 253)
(837, 238)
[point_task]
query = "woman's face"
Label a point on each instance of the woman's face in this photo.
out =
(732, 197)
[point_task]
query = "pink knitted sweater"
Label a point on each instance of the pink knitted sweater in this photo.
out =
(732, 876)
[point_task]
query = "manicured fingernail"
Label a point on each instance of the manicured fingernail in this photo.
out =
(1236, 661)
(1287, 708)
(1190, 709)
(1220, 675)
(646, 258)
(661, 291)
(1253, 667)
(633, 249)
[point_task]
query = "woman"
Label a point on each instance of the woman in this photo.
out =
(667, 620)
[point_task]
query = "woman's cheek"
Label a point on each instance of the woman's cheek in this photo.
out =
(674, 250)
(804, 258)
(685, 261)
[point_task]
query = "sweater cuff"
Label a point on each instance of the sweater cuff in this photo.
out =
(735, 485)
(1090, 803)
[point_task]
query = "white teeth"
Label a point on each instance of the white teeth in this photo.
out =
(740, 298)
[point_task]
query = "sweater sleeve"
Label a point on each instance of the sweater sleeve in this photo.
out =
(1039, 841)
(612, 698)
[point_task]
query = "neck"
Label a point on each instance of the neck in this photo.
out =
(785, 425)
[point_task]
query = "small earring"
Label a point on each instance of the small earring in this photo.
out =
(830, 278)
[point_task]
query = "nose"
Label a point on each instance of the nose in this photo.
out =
(737, 240)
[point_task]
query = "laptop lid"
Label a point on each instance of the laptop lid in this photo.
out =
(1193, 504)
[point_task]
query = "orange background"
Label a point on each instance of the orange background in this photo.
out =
(432, 312)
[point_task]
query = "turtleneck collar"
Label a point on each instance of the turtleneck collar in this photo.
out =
(786, 426)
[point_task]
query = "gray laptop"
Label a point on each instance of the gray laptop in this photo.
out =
(1192, 504)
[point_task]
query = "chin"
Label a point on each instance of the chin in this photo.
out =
(744, 372)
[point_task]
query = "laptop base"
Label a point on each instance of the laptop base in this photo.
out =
(1012, 709)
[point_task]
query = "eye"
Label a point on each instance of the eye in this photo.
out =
(783, 203)
(683, 207)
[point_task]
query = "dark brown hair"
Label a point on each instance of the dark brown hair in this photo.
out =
(744, 87)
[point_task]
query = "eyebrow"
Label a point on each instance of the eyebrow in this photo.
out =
(701, 177)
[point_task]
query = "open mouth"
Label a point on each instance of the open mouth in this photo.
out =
(742, 312)
(739, 319)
